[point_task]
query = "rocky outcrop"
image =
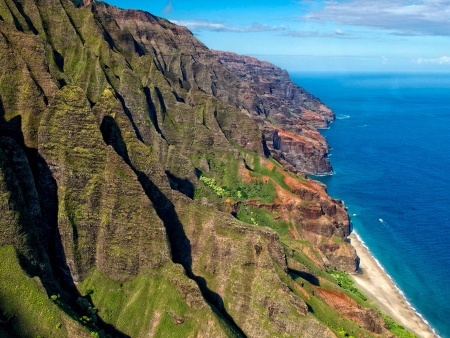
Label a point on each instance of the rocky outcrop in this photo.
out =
(367, 318)
(313, 215)
(304, 153)
(288, 115)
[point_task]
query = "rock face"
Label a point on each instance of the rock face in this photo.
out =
(152, 187)
(288, 115)
(275, 94)
(304, 153)
(102, 205)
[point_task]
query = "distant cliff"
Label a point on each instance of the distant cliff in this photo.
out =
(289, 115)
(152, 187)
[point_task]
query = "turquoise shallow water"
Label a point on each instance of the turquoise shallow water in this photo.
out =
(391, 157)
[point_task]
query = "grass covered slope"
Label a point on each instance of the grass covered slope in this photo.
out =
(26, 309)
(156, 303)
(140, 194)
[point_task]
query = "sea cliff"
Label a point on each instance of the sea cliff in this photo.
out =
(151, 186)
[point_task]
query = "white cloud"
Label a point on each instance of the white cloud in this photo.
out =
(316, 34)
(199, 25)
(415, 17)
(443, 60)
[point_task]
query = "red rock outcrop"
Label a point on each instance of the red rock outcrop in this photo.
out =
(306, 151)
(314, 216)
(366, 318)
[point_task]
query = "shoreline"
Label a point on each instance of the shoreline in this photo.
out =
(376, 284)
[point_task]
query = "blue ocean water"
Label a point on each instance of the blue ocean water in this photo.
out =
(391, 157)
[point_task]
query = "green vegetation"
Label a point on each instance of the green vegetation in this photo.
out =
(346, 282)
(239, 191)
(24, 299)
(337, 240)
(396, 328)
(273, 173)
(342, 326)
(150, 303)
(300, 257)
(211, 183)
(223, 179)
(262, 217)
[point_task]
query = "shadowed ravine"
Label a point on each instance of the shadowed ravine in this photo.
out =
(179, 243)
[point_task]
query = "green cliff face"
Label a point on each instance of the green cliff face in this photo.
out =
(152, 187)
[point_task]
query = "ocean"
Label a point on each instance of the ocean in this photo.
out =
(390, 151)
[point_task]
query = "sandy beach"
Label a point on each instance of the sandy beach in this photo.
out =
(374, 283)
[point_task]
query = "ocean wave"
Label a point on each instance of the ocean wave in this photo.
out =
(331, 173)
(393, 281)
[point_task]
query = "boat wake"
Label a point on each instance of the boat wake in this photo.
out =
(343, 117)
(385, 224)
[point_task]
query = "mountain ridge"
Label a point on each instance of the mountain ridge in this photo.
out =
(142, 190)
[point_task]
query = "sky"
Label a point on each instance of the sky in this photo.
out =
(308, 35)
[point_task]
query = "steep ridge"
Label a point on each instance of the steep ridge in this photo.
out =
(141, 174)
